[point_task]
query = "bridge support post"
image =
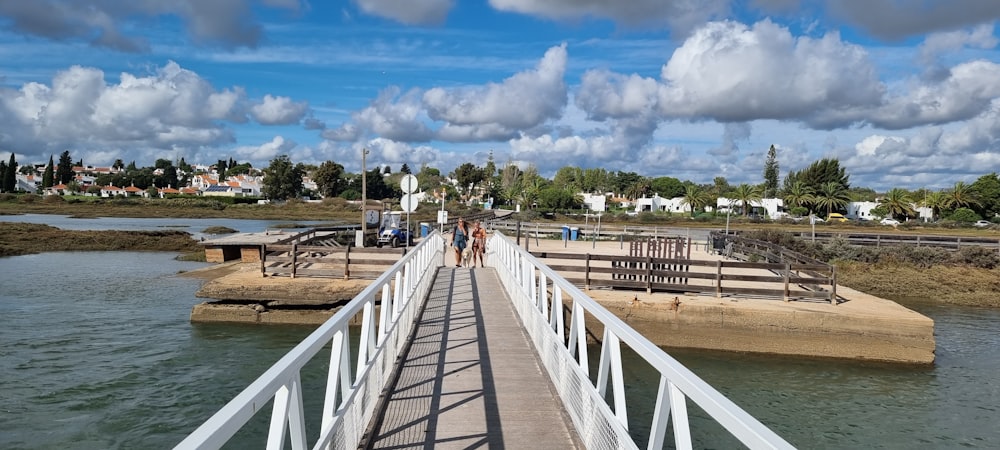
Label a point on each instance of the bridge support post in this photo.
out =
(788, 272)
(718, 279)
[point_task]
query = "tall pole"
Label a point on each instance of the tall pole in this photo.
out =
(364, 192)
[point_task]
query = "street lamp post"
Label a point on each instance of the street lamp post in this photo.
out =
(364, 192)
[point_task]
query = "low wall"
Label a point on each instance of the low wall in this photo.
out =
(887, 333)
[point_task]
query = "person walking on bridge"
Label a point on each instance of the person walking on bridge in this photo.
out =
(459, 240)
(478, 244)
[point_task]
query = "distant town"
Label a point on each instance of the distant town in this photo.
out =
(821, 192)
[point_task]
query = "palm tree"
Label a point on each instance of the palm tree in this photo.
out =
(638, 189)
(832, 195)
(747, 194)
(695, 197)
(799, 194)
(936, 201)
(962, 195)
(898, 203)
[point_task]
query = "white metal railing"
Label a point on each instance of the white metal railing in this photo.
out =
(599, 424)
(349, 401)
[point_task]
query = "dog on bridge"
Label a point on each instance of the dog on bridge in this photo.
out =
(466, 256)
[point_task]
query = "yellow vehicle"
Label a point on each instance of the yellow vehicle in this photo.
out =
(836, 217)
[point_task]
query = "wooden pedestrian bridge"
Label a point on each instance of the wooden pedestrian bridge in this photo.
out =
(506, 356)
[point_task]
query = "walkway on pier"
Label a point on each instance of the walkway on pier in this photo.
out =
(471, 378)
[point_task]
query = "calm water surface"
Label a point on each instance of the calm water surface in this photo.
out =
(97, 352)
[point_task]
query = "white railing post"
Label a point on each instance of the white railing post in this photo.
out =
(343, 408)
(526, 281)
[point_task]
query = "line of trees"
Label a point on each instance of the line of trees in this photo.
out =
(822, 188)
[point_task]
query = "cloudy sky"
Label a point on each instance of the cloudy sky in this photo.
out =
(905, 93)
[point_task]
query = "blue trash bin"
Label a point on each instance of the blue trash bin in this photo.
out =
(574, 233)
(565, 232)
(425, 229)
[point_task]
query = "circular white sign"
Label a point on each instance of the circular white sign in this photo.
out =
(408, 203)
(408, 184)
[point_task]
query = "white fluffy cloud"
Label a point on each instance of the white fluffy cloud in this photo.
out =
(171, 109)
(968, 90)
(278, 111)
(266, 151)
(494, 111)
(729, 71)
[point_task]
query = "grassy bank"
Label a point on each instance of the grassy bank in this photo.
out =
(959, 285)
(26, 238)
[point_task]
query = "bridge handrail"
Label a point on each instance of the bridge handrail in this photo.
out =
(564, 355)
(349, 403)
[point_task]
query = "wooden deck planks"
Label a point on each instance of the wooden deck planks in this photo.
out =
(471, 379)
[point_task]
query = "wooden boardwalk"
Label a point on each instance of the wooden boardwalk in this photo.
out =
(471, 378)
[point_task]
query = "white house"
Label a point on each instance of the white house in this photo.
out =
(595, 202)
(675, 205)
(860, 210)
(648, 204)
(772, 207)
(863, 211)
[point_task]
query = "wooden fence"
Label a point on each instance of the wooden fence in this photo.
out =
(786, 281)
(916, 240)
(347, 262)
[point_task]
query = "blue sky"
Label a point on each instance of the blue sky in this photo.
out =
(905, 93)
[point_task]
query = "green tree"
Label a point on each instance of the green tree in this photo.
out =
(168, 178)
(405, 169)
(621, 181)
(832, 195)
(820, 173)
(282, 179)
(532, 186)
(511, 183)
(771, 174)
(239, 169)
(937, 201)
(183, 166)
(428, 178)
(898, 203)
(696, 198)
(962, 195)
(720, 186)
(747, 194)
(798, 195)
(987, 189)
(10, 175)
(49, 176)
(64, 172)
(118, 165)
(570, 178)
(639, 189)
(468, 176)
(329, 178)
(3, 176)
(964, 215)
(667, 187)
(222, 168)
(162, 163)
(556, 197)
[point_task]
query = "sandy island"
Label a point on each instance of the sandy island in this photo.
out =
(862, 327)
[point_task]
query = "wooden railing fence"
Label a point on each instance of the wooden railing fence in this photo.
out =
(786, 281)
(347, 262)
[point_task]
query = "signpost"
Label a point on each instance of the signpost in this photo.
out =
(408, 202)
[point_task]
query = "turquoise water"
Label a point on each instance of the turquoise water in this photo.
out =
(97, 352)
